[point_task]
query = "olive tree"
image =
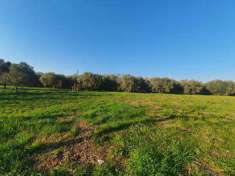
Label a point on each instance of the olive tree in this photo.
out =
(53, 80)
(89, 81)
(165, 85)
(193, 87)
(219, 87)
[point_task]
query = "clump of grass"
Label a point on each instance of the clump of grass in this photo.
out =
(150, 159)
(75, 130)
(153, 152)
(106, 169)
(60, 172)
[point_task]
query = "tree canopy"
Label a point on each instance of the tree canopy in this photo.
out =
(23, 74)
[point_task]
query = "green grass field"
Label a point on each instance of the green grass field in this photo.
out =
(56, 132)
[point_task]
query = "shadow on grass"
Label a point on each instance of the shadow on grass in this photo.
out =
(46, 148)
(27, 96)
(103, 120)
(119, 126)
(52, 94)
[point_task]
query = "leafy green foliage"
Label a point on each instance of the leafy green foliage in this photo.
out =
(165, 85)
(4, 72)
(90, 81)
(194, 87)
(219, 87)
(23, 74)
(52, 80)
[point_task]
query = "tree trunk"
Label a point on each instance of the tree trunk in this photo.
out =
(5, 85)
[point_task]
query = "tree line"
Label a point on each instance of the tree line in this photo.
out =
(22, 74)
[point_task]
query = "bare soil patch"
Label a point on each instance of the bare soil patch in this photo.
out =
(81, 149)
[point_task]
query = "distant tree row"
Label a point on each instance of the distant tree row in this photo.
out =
(129, 83)
(23, 74)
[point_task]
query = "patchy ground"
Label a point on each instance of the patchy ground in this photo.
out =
(55, 132)
(82, 149)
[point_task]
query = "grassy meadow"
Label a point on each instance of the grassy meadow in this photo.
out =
(59, 132)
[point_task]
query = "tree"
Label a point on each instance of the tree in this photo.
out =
(90, 81)
(193, 87)
(4, 72)
(68, 82)
(48, 80)
(110, 83)
(219, 87)
(5, 79)
(53, 80)
(165, 85)
(23, 75)
(128, 83)
(16, 75)
(230, 88)
(142, 85)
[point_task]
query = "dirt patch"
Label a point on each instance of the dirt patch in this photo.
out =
(81, 149)
(86, 151)
(189, 130)
(208, 169)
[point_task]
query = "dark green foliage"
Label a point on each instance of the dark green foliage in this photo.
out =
(23, 75)
(111, 83)
(4, 66)
(20, 74)
(143, 85)
(4, 72)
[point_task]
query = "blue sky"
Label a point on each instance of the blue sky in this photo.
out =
(182, 39)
